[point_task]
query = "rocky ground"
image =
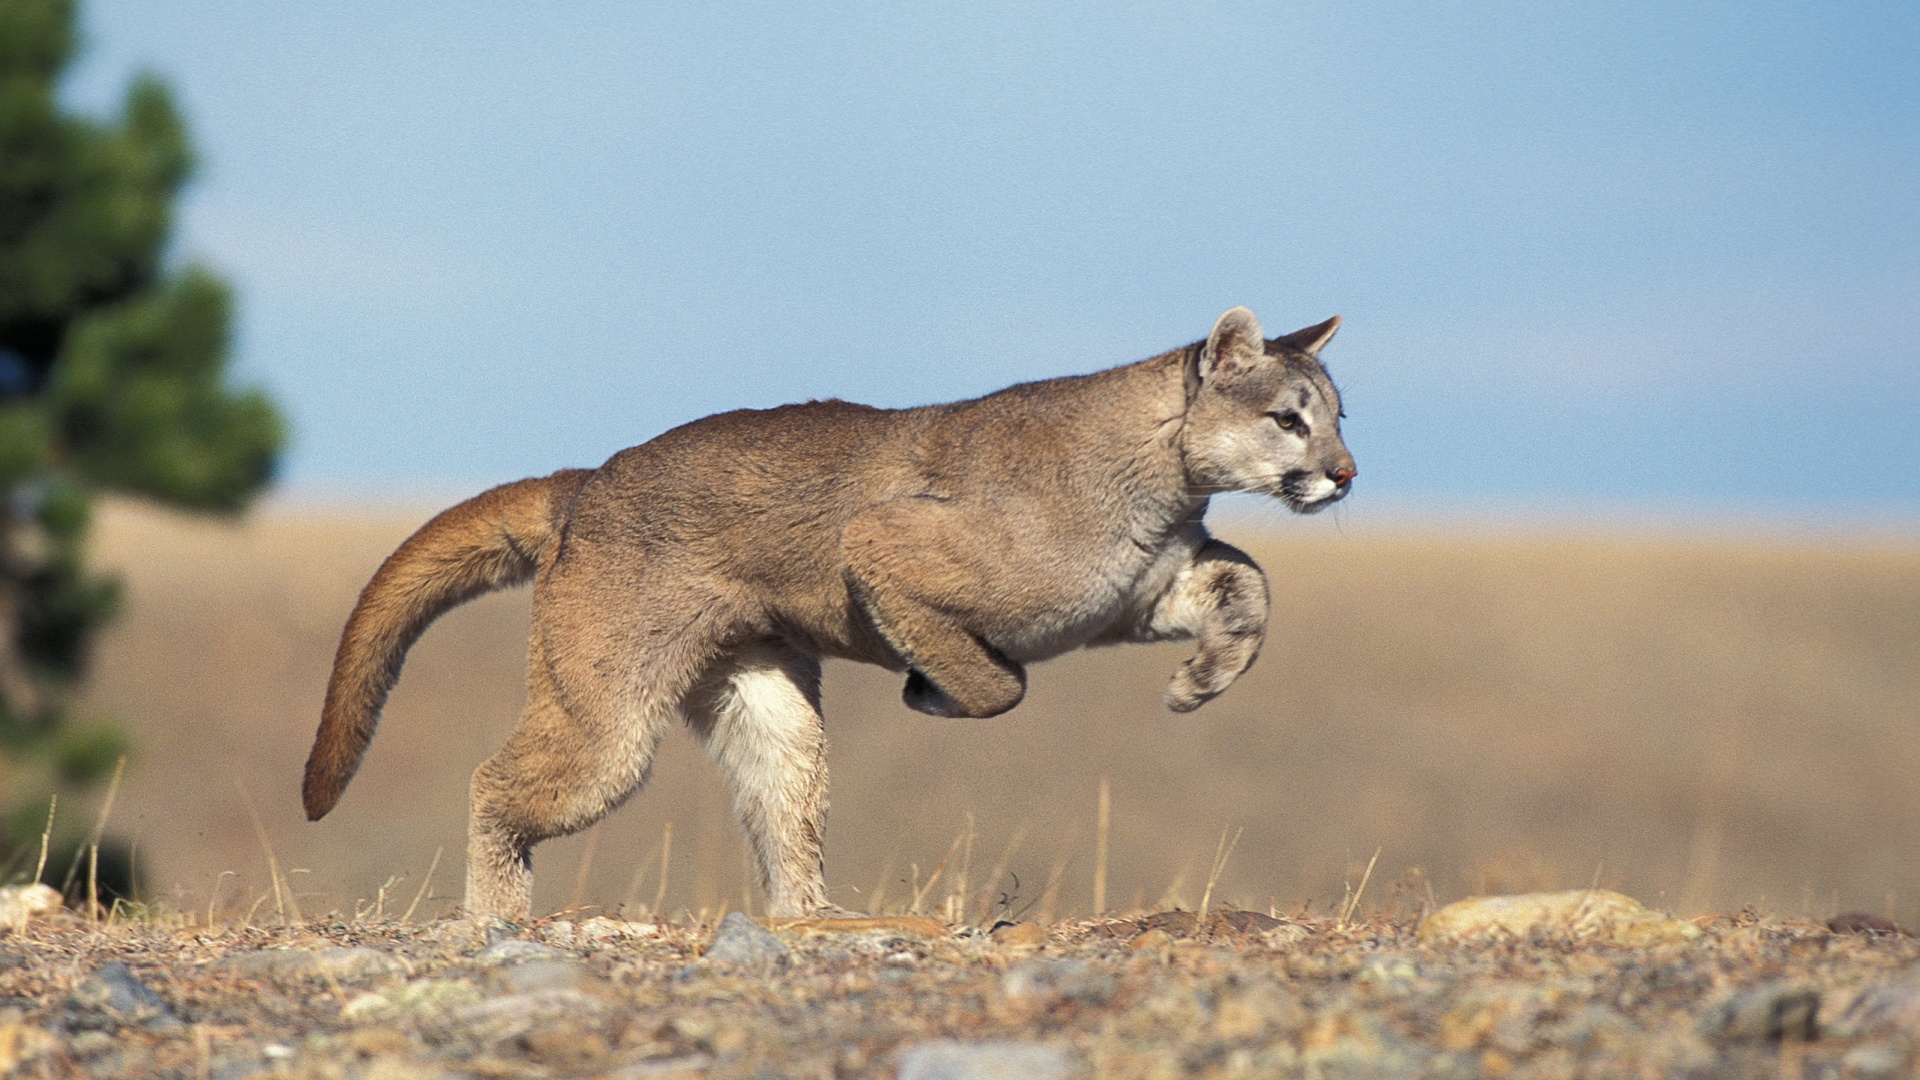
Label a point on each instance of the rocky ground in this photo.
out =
(1149, 996)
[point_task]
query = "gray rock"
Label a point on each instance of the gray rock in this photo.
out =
(1064, 980)
(112, 998)
(545, 975)
(1889, 1007)
(992, 1060)
(1874, 1059)
(1783, 1010)
(516, 951)
(742, 941)
(343, 965)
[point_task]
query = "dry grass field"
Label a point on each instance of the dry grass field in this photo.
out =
(1704, 721)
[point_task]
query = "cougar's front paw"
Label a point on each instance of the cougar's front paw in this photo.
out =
(1198, 681)
(922, 696)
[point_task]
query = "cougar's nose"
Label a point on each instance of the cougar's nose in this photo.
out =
(1343, 475)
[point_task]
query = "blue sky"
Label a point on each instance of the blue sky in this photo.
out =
(1656, 255)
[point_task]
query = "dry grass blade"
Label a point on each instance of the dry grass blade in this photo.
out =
(1222, 851)
(99, 830)
(1102, 818)
(920, 892)
(283, 900)
(666, 860)
(954, 910)
(992, 881)
(425, 883)
(46, 837)
(1353, 902)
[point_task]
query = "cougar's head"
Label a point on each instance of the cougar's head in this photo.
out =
(1263, 416)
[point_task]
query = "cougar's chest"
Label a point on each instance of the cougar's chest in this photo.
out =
(1111, 587)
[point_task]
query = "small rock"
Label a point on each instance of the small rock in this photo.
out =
(565, 1044)
(22, 1042)
(545, 975)
(1151, 940)
(1171, 923)
(1250, 1012)
(683, 1067)
(1243, 922)
(1874, 1059)
(1771, 1013)
(1016, 935)
(991, 1060)
(1058, 980)
(1862, 922)
(422, 997)
(600, 930)
(516, 951)
(397, 1068)
(1584, 914)
(742, 941)
(21, 903)
(1284, 935)
(340, 964)
(560, 932)
(1887, 1008)
(90, 1044)
(111, 998)
(510, 1017)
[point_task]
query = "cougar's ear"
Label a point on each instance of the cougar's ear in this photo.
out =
(1233, 347)
(1309, 341)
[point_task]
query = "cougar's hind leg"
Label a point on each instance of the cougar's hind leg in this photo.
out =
(572, 759)
(758, 715)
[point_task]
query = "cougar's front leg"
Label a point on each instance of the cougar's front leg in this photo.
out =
(1220, 598)
(909, 578)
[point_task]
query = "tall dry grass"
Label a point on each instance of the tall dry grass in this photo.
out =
(1710, 721)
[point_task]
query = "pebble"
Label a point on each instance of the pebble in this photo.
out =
(1025, 934)
(1863, 922)
(741, 941)
(517, 951)
(21, 903)
(1580, 914)
(1151, 941)
(1889, 1007)
(422, 997)
(992, 1060)
(1874, 1059)
(342, 964)
(111, 998)
(1061, 980)
(599, 930)
(511, 1016)
(546, 975)
(1783, 1010)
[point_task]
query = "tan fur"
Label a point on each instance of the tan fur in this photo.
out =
(703, 576)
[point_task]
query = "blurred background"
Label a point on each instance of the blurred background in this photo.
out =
(1628, 590)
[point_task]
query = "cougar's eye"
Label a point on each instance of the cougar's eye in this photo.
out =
(1289, 421)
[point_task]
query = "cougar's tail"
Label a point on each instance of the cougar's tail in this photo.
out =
(491, 541)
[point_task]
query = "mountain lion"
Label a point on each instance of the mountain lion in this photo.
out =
(704, 575)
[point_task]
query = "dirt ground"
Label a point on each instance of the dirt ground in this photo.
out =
(1246, 996)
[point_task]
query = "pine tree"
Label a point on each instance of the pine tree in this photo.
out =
(112, 379)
